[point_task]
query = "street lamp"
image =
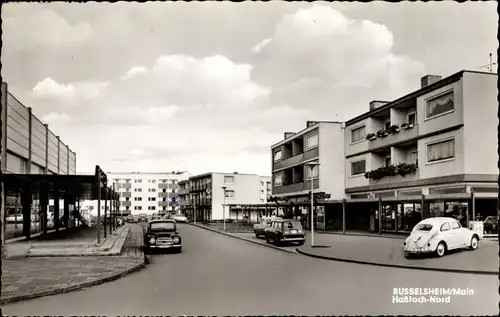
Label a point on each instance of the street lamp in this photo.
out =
(312, 165)
(224, 207)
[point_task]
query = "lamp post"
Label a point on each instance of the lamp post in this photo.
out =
(224, 207)
(312, 165)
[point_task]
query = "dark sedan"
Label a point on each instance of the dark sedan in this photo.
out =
(162, 235)
(491, 225)
(285, 231)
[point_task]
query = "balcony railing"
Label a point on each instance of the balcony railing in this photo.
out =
(392, 136)
(393, 174)
(126, 203)
(297, 159)
(294, 188)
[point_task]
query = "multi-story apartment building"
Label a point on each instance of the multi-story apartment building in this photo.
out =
(28, 147)
(319, 143)
(439, 141)
(203, 196)
(148, 192)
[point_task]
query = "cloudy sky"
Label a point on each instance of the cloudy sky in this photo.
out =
(210, 86)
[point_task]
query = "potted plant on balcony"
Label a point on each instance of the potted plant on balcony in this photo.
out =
(382, 133)
(394, 128)
(406, 169)
(371, 136)
(406, 126)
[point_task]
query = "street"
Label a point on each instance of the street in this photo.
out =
(219, 275)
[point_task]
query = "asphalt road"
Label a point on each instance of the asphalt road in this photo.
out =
(219, 275)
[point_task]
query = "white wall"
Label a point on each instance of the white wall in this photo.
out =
(480, 123)
(332, 158)
(246, 191)
(441, 168)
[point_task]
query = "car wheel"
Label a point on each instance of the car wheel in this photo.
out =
(474, 242)
(408, 255)
(178, 250)
(301, 243)
(441, 249)
(276, 241)
(267, 240)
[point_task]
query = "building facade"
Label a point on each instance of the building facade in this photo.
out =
(319, 143)
(203, 196)
(28, 147)
(148, 193)
(430, 153)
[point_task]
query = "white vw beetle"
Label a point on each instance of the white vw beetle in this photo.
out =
(439, 235)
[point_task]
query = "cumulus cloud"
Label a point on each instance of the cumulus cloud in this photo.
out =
(134, 71)
(320, 44)
(257, 48)
(44, 27)
(50, 89)
(213, 80)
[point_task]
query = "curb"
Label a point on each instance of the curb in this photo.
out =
(247, 240)
(75, 287)
(407, 267)
(361, 235)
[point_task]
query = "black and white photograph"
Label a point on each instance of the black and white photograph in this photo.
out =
(249, 158)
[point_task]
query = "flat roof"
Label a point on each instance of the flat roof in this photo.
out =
(302, 132)
(82, 186)
(438, 84)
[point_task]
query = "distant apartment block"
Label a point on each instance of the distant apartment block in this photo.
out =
(320, 142)
(148, 193)
(202, 196)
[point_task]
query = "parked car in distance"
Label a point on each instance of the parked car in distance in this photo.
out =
(285, 231)
(180, 218)
(439, 235)
(162, 235)
(491, 224)
(143, 217)
(264, 223)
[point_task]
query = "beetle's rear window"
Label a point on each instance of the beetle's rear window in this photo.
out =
(423, 227)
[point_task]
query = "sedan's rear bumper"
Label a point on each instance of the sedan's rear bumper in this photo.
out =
(299, 239)
(418, 250)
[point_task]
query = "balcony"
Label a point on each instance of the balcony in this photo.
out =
(126, 203)
(404, 172)
(294, 188)
(387, 138)
(297, 159)
(126, 185)
(126, 194)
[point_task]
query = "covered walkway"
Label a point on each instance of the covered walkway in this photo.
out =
(35, 218)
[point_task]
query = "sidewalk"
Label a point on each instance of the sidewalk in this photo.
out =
(389, 252)
(26, 278)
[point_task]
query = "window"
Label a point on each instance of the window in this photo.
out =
(152, 190)
(387, 124)
(388, 161)
(229, 193)
(138, 190)
(228, 179)
(153, 181)
(277, 156)
(312, 141)
(441, 151)
(445, 227)
(151, 198)
(261, 192)
(139, 207)
(261, 183)
(413, 157)
(139, 181)
(277, 180)
(307, 172)
(152, 208)
(358, 134)
(358, 168)
(439, 105)
(455, 225)
(412, 118)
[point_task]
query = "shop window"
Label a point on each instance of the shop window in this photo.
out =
(436, 209)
